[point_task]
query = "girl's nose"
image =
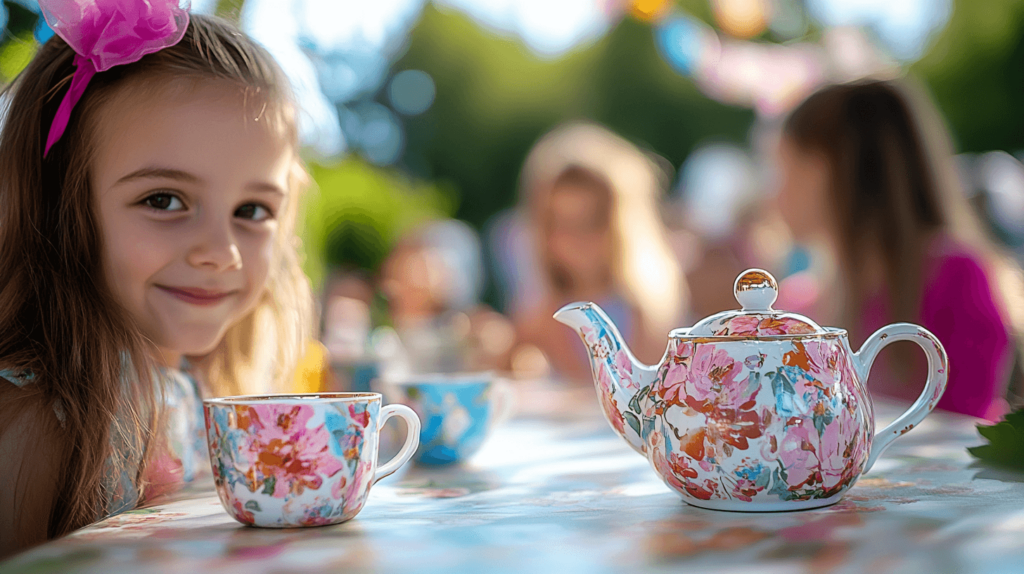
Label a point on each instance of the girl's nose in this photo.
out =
(216, 249)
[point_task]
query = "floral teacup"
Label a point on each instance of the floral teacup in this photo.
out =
(300, 460)
(458, 411)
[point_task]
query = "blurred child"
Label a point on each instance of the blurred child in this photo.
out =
(347, 316)
(723, 226)
(147, 252)
(866, 173)
(432, 280)
(591, 199)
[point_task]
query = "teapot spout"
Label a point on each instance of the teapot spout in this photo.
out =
(618, 376)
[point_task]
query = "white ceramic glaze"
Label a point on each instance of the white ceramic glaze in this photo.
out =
(754, 410)
(300, 460)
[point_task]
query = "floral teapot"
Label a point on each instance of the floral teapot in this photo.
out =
(752, 410)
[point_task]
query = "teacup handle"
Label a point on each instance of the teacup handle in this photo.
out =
(412, 438)
(505, 402)
(938, 371)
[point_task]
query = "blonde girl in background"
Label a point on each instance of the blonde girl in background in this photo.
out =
(147, 254)
(591, 200)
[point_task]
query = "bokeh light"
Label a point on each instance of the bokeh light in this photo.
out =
(716, 182)
(788, 20)
(649, 10)
(411, 92)
(376, 131)
(685, 43)
(741, 18)
(904, 26)
(548, 27)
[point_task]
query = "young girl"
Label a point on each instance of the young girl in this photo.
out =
(146, 246)
(592, 202)
(866, 173)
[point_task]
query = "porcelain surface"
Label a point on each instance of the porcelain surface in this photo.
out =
(457, 413)
(299, 460)
(753, 410)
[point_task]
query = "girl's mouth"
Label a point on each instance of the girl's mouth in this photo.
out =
(196, 296)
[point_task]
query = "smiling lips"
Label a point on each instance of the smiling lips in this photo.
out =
(195, 296)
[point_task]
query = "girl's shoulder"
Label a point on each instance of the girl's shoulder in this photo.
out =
(960, 279)
(15, 384)
(953, 262)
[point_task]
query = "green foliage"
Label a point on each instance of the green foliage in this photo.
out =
(975, 71)
(355, 212)
(495, 98)
(15, 54)
(19, 20)
(1005, 442)
(229, 9)
(17, 44)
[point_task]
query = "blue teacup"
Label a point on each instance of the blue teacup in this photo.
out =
(457, 412)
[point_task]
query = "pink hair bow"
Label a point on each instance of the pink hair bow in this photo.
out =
(108, 33)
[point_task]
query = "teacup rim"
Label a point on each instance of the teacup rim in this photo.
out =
(296, 398)
(446, 379)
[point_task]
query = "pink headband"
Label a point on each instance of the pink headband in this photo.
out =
(108, 33)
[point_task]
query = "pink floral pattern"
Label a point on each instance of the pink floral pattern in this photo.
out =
(610, 364)
(286, 456)
(761, 326)
(781, 424)
(769, 409)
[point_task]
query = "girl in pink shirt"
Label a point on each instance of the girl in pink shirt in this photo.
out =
(867, 177)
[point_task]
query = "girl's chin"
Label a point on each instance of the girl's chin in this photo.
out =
(189, 345)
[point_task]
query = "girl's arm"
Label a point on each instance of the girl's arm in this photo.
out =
(560, 346)
(30, 462)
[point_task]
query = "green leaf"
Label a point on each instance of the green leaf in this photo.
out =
(648, 426)
(780, 384)
(753, 382)
(268, 485)
(253, 505)
(1005, 442)
(633, 422)
(763, 479)
(634, 403)
(779, 486)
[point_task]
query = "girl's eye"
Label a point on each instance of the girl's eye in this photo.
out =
(253, 212)
(164, 202)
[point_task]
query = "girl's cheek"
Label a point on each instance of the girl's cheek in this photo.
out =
(264, 251)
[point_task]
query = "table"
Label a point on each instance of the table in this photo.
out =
(556, 491)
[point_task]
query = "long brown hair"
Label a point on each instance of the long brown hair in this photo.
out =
(59, 322)
(893, 187)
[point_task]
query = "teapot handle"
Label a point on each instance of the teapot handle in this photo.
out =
(938, 371)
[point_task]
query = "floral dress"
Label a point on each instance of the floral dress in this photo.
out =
(181, 457)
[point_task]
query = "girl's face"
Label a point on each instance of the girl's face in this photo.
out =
(413, 279)
(803, 190)
(188, 185)
(579, 233)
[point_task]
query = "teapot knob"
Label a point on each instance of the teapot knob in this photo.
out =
(756, 290)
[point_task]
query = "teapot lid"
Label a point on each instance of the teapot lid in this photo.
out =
(755, 290)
